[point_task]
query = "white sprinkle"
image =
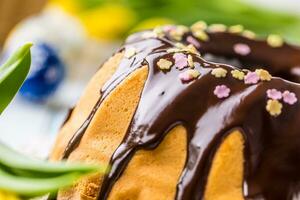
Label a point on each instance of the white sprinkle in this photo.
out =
(190, 61)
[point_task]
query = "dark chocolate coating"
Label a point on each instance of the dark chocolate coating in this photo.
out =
(272, 144)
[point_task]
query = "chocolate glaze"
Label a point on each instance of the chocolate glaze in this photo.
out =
(69, 112)
(278, 61)
(272, 153)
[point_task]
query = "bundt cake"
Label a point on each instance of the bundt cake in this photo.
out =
(190, 113)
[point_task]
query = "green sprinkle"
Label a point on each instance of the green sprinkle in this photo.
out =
(13, 73)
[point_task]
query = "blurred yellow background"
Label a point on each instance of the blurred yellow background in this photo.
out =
(113, 19)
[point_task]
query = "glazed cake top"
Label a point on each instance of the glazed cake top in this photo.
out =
(211, 100)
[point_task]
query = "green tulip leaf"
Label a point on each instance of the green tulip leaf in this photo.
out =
(24, 165)
(13, 73)
(31, 187)
(29, 177)
(22, 175)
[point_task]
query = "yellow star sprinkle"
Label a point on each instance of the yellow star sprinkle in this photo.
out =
(178, 32)
(182, 29)
(164, 64)
(129, 52)
(236, 29)
(175, 35)
(190, 61)
(274, 107)
(194, 73)
(249, 34)
(275, 40)
(191, 48)
(264, 75)
(238, 74)
(217, 28)
(159, 31)
(198, 26)
(201, 35)
(219, 72)
(180, 45)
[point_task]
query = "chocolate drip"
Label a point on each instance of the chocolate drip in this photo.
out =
(68, 115)
(76, 138)
(271, 143)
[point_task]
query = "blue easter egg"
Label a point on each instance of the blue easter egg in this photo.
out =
(46, 73)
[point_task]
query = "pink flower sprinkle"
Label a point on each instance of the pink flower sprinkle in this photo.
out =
(222, 91)
(242, 49)
(185, 77)
(181, 60)
(193, 41)
(289, 97)
(169, 28)
(251, 78)
(274, 94)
